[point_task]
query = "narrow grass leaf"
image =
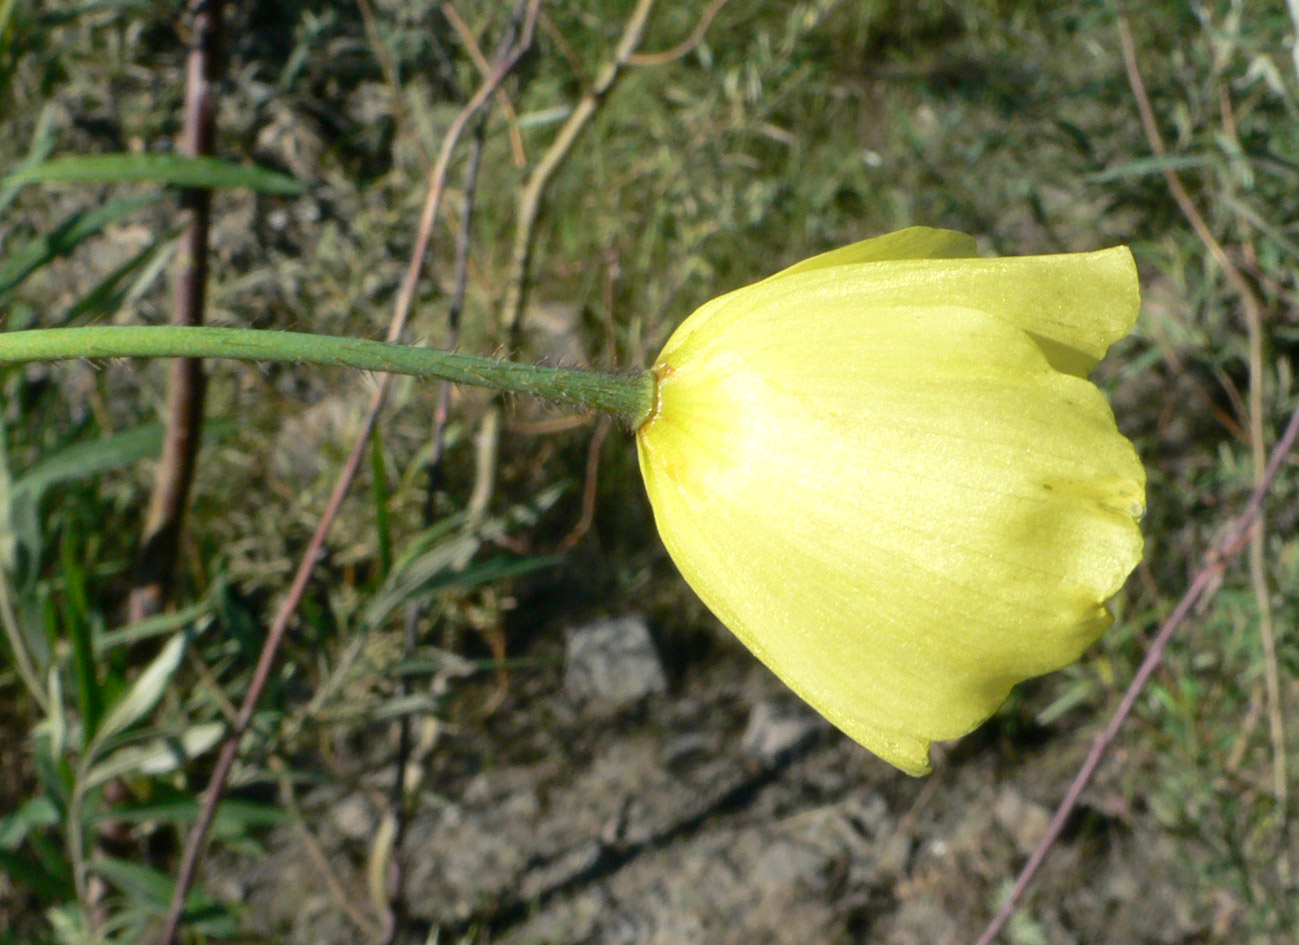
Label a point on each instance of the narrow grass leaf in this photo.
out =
(42, 144)
(426, 579)
(50, 734)
(27, 664)
(157, 626)
(1074, 696)
(8, 540)
(127, 280)
(433, 559)
(174, 169)
(76, 625)
(407, 582)
(1142, 167)
(78, 462)
(152, 889)
(35, 813)
(1264, 226)
(379, 494)
(55, 17)
(233, 816)
(64, 238)
(157, 756)
(416, 703)
(84, 460)
(146, 690)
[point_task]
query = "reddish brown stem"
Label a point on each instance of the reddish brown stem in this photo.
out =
(261, 676)
(156, 563)
(1202, 588)
(195, 843)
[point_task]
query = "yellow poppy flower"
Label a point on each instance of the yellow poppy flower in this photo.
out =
(885, 471)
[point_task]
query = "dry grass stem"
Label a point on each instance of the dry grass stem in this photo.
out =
(529, 208)
(1254, 319)
(160, 542)
(261, 675)
(476, 53)
(1205, 584)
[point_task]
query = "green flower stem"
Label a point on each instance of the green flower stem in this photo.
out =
(630, 399)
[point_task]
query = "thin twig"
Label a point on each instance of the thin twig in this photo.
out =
(476, 54)
(363, 923)
(390, 76)
(525, 229)
(684, 47)
(501, 68)
(261, 675)
(1203, 587)
(155, 566)
(587, 518)
(1254, 317)
(156, 563)
(565, 49)
(534, 191)
(401, 787)
(603, 425)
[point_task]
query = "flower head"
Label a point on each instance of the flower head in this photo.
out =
(885, 471)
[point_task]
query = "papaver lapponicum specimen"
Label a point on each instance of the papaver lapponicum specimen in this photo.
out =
(884, 469)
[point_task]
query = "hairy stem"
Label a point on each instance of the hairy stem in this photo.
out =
(628, 398)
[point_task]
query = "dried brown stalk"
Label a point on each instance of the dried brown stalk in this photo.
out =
(275, 637)
(155, 567)
(1254, 318)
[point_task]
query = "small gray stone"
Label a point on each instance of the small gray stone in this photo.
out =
(777, 727)
(613, 660)
(1025, 820)
(354, 817)
(789, 864)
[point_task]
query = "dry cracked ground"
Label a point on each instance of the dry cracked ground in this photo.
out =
(599, 804)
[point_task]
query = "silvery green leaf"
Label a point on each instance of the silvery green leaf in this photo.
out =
(145, 691)
(157, 755)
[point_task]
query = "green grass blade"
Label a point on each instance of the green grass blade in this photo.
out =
(76, 624)
(379, 493)
(146, 689)
(82, 461)
(64, 238)
(157, 626)
(35, 814)
(156, 756)
(30, 669)
(131, 278)
(89, 7)
(152, 889)
(174, 169)
(1142, 167)
(42, 144)
(421, 583)
(233, 818)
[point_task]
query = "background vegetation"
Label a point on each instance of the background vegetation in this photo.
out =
(789, 129)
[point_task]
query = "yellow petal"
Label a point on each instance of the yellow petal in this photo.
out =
(915, 242)
(1074, 305)
(902, 508)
